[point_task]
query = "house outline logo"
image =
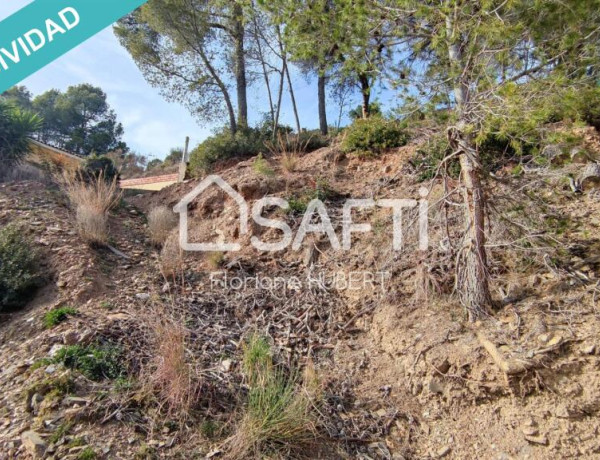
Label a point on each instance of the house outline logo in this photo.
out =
(182, 209)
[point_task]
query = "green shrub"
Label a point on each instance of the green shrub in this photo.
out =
(18, 267)
(57, 316)
(87, 454)
(373, 136)
(312, 140)
(94, 362)
(261, 166)
(357, 112)
(16, 126)
(94, 167)
(281, 411)
(223, 146)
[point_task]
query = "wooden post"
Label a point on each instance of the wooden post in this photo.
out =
(184, 160)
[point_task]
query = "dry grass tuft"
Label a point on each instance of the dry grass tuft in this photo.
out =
(92, 225)
(290, 148)
(289, 162)
(280, 414)
(161, 221)
(92, 200)
(171, 374)
(171, 257)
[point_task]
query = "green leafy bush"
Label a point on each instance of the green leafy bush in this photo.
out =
(261, 166)
(18, 267)
(57, 316)
(94, 167)
(373, 136)
(223, 146)
(312, 140)
(94, 362)
(15, 127)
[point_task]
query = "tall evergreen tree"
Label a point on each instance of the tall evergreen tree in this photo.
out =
(485, 52)
(192, 50)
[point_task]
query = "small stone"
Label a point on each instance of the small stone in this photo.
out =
(590, 350)
(55, 349)
(529, 422)
(36, 399)
(529, 431)
(542, 440)
(142, 296)
(442, 367)
(443, 451)
(70, 338)
(554, 341)
(51, 369)
(562, 411)
(226, 365)
(34, 444)
(435, 386)
(544, 338)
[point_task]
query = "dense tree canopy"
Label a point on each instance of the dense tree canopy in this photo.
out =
(79, 120)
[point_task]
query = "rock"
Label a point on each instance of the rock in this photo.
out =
(55, 349)
(226, 365)
(435, 386)
(529, 422)
(443, 451)
(70, 338)
(579, 155)
(590, 176)
(542, 440)
(51, 369)
(529, 431)
(589, 350)
(33, 444)
(442, 367)
(554, 341)
(554, 153)
(562, 411)
(36, 400)
(387, 169)
(142, 296)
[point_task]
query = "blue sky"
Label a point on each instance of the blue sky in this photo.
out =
(152, 125)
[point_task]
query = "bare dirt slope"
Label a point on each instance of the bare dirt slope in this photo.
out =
(404, 375)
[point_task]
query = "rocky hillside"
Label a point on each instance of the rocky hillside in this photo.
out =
(401, 372)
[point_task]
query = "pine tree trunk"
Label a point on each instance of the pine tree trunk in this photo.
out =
(240, 66)
(279, 98)
(261, 56)
(322, 105)
(365, 89)
(293, 98)
(472, 270)
(472, 276)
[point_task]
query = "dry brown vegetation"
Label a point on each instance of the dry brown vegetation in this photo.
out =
(161, 221)
(171, 376)
(290, 149)
(92, 201)
(171, 257)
